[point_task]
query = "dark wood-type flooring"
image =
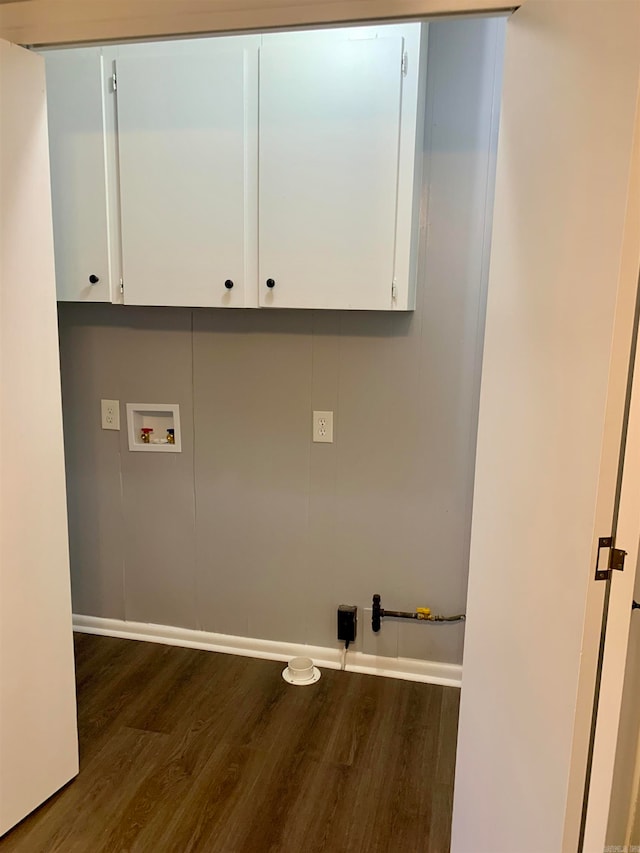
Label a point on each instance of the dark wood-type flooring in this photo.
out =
(184, 750)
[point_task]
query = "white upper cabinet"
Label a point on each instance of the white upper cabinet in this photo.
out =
(75, 95)
(183, 149)
(329, 131)
(244, 171)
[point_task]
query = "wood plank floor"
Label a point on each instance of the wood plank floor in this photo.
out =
(183, 751)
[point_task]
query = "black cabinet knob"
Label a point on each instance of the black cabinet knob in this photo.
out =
(271, 282)
(93, 279)
(228, 284)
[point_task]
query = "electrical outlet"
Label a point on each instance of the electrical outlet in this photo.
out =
(323, 427)
(110, 414)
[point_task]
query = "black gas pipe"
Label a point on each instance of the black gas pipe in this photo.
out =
(423, 614)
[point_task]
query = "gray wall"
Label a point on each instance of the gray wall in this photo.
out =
(254, 530)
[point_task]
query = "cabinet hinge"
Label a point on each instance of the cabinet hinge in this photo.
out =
(405, 63)
(121, 286)
(114, 82)
(609, 559)
(394, 289)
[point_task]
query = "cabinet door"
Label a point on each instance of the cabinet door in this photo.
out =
(182, 141)
(75, 94)
(329, 131)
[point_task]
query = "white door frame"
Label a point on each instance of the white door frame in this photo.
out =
(618, 606)
(557, 342)
(48, 22)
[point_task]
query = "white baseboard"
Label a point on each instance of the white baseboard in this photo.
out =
(409, 669)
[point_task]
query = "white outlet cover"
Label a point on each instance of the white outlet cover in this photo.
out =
(323, 427)
(110, 413)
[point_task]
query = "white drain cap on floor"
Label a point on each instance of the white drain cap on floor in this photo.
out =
(301, 671)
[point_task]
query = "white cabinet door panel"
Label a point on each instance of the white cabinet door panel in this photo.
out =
(328, 172)
(181, 127)
(78, 174)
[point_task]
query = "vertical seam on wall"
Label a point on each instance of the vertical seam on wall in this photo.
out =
(122, 513)
(307, 537)
(336, 452)
(193, 479)
(124, 562)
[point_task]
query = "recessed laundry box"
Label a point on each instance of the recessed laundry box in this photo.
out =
(154, 427)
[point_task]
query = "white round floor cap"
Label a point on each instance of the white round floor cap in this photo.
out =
(301, 671)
